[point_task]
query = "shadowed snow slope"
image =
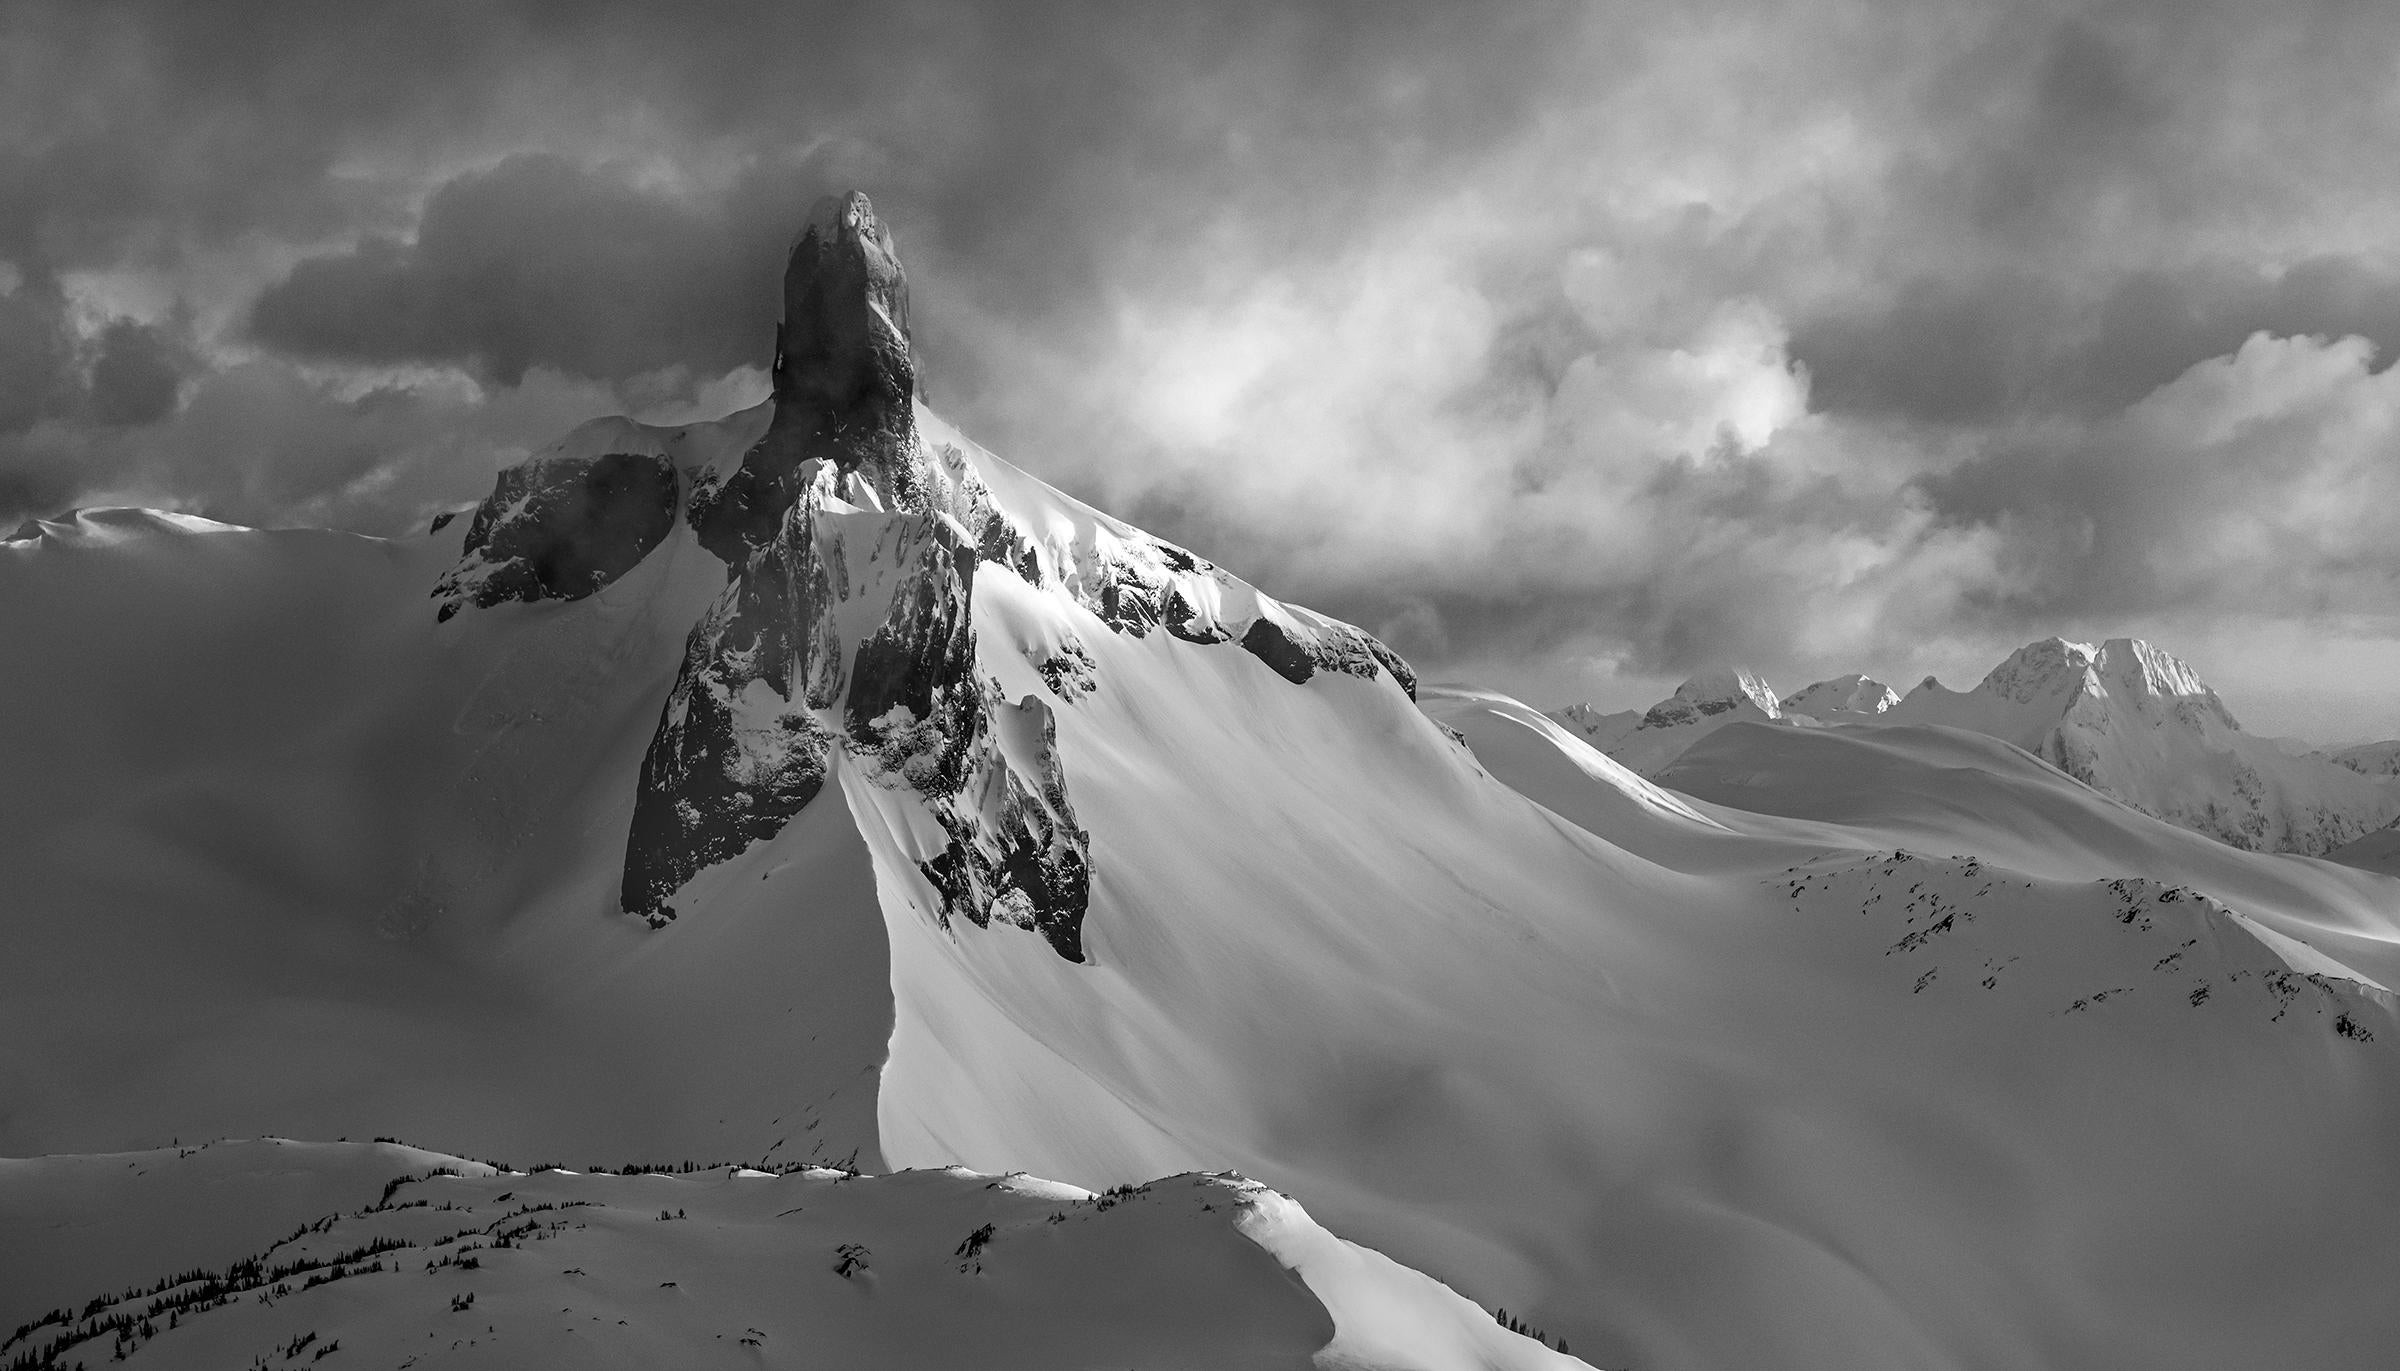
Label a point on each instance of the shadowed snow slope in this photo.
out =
(2379, 851)
(287, 855)
(446, 1262)
(892, 803)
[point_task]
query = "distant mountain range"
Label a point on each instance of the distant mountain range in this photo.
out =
(2124, 717)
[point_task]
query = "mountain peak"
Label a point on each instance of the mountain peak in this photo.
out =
(2044, 666)
(1715, 692)
(1851, 694)
(845, 383)
(2127, 669)
(2134, 668)
(843, 345)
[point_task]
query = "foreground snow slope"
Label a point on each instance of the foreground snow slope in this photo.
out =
(452, 1263)
(884, 798)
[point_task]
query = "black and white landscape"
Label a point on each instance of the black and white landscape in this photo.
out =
(751, 877)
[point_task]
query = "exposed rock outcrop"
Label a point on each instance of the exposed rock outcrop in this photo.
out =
(845, 634)
(845, 385)
(560, 527)
(848, 624)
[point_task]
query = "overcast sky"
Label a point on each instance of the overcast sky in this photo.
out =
(1571, 348)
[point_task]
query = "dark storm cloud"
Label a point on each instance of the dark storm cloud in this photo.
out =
(136, 374)
(605, 190)
(2011, 345)
(540, 261)
(2099, 200)
(1525, 333)
(36, 355)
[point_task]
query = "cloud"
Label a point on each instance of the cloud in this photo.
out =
(2256, 482)
(136, 374)
(543, 261)
(267, 443)
(1553, 340)
(36, 355)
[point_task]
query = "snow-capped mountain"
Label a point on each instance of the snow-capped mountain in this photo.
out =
(2133, 722)
(870, 802)
(1645, 740)
(1844, 699)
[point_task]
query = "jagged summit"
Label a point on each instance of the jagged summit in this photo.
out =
(845, 383)
(2134, 721)
(853, 526)
(2054, 670)
(1711, 693)
(844, 377)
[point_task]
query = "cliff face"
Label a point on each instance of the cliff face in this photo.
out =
(562, 527)
(848, 621)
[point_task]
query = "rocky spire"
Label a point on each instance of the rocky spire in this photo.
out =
(845, 384)
(844, 380)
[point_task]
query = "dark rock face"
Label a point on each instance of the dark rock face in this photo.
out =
(730, 765)
(1402, 673)
(560, 528)
(1070, 672)
(1015, 854)
(1335, 647)
(766, 694)
(845, 385)
(1267, 641)
(848, 624)
(844, 636)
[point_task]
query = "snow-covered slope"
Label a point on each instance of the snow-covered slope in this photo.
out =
(450, 1262)
(2368, 759)
(1646, 741)
(894, 803)
(2134, 722)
